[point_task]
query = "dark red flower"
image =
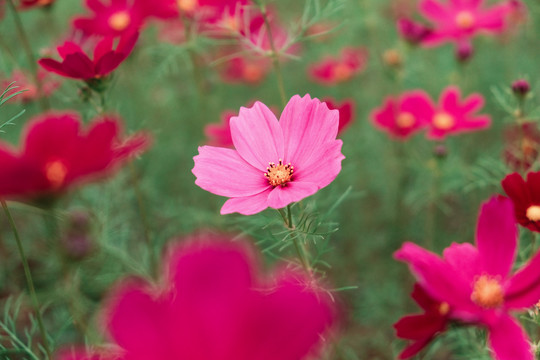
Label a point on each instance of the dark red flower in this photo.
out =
(346, 111)
(77, 65)
(413, 32)
(526, 198)
(522, 145)
(422, 328)
(56, 154)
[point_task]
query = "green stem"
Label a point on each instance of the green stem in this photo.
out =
(43, 101)
(29, 280)
(197, 71)
(275, 57)
(299, 247)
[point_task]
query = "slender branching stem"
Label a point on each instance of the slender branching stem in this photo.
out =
(29, 281)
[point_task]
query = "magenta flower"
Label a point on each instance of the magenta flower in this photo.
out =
(275, 162)
(451, 117)
(214, 304)
(459, 20)
(220, 134)
(346, 112)
(248, 70)
(422, 328)
(477, 282)
(404, 116)
(333, 70)
(413, 32)
(77, 65)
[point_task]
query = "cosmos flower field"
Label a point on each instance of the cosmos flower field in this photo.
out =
(269, 180)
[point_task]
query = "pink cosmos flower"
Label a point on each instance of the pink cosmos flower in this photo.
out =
(24, 82)
(477, 282)
(214, 304)
(422, 328)
(346, 112)
(247, 70)
(451, 117)
(220, 134)
(459, 20)
(57, 154)
(119, 17)
(275, 162)
(222, 12)
(331, 71)
(77, 65)
(404, 116)
(413, 32)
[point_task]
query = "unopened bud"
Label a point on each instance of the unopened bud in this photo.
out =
(521, 87)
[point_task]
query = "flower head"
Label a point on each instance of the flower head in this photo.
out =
(77, 65)
(452, 117)
(30, 4)
(346, 112)
(248, 70)
(215, 304)
(522, 145)
(526, 198)
(422, 328)
(477, 282)
(404, 116)
(275, 162)
(331, 71)
(459, 20)
(413, 32)
(56, 154)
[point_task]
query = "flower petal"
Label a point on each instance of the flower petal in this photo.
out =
(257, 136)
(248, 205)
(523, 290)
(464, 258)
(294, 191)
(307, 125)
(509, 341)
(434, 10)
(223, 172)
(496, 236)
(324, 167)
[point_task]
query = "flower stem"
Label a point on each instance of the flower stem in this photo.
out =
(29, 281)
(299, 247)
(23, 37)
(275, 57)
(197, 71)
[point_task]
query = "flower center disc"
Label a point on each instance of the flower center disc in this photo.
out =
(405, 120)
(443, 121)
(444, 309)
(55, 172)
(279, 174)
(487, 292)
(187, 5)
(253, 73)
(464, 20)
(533, 213)
(342, 72)
(120, 20)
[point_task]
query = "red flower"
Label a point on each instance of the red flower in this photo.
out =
(30, 4)
(346, 112)
(77, 65)
(331, 71)
(422, 328)
(122, 16)
(215, 304)
(57, 154)
(246, 69)
(526, 198)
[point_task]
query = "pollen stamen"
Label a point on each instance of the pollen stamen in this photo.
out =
(487, 292)
(464, 20)
(280, 174)
(533, 213)
(405, 120)
(56, 172)
(443, 121)
(120, 20)
(187, 5)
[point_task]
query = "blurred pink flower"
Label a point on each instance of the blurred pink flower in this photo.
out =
(214, 304)
(346, 112)
(459, 20)
(477, 283)
(331, 71)
(249, 70)
(275, 162)
(220, 134)
(224, 13)
(30, 4)
(24, 82)
(451, 117)
(413, 32)
(404, 116)
(172, 31)
(77, 65)
(422, 328)
(521, 145)
(118, 17)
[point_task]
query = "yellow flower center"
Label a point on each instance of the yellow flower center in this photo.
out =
(55, 172)
(405, 120)
(119, 20)
(444, 308)
(487, 292)
(252, 73)
(187, 5)
(443, 121)
(342, 72)
(279, 174)
(465, 20)
(533, 213)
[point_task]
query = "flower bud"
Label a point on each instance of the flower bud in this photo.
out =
(521, 87)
